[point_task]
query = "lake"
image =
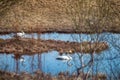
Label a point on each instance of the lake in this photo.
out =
(107, 62)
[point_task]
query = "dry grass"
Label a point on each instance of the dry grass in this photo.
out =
(53, 15)
(26, 45)
(38, 75)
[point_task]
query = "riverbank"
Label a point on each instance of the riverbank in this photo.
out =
(38, 75)
(64, 29)
(31, 46)
(58, 16)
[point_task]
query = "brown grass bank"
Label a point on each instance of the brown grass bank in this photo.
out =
(59, 16)
(38, 75)
(29, 46)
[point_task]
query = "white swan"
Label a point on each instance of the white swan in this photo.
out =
(64, 57)
(18, 57)
(22, 59)
(20, 34)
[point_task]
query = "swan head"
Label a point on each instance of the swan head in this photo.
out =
(70, 51)
(22, 32)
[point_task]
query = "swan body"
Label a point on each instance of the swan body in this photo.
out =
(22, 59)
(21, 34)
(64, 57)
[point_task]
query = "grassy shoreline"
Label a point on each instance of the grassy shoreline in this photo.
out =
(53, 16)
(66, 30)
(38, 75)
(31, 46)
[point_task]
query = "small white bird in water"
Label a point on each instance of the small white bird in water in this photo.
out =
(20, 34)
(22, 59)
(64, 57)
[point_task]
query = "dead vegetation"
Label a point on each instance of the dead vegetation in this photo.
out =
(29, 46)
(38, 75)
(59, 16)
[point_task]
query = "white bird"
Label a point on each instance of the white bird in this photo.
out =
(22, 59)
(64, 57)
(20, 34)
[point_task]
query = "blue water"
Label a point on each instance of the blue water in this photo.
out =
(61, 36)
(106, 62)
(46, 62)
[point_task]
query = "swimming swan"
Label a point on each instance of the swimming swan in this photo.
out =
(21, 34)
(22, 59)
(64, 57)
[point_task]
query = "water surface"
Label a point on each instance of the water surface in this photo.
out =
(106, 62)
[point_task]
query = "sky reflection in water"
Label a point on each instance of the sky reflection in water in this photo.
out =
(105, 62)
